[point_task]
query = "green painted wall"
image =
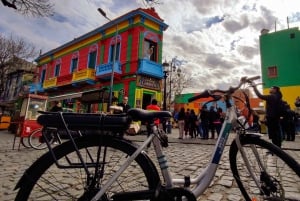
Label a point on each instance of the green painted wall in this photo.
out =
(282, 49)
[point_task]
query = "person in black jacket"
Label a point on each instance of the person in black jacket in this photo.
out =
(272, 113)
(57, 107)
(124, 104)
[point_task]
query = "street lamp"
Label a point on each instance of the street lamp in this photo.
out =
(165, 71)
(114, 56)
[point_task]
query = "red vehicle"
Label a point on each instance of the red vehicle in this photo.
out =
(26, 120)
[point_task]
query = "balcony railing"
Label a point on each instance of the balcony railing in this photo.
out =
(50, 83)
(87, 75)
(35, 87)
(64, 80)
(150, 68)
(104, 70)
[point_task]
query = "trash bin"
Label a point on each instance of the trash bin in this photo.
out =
(169, 126)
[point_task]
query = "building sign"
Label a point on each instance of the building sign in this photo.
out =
(148, 82)
(97, 96)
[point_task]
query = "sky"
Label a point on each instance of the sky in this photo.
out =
(216, 40)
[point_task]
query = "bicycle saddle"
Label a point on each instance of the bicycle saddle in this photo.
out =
(146, 115)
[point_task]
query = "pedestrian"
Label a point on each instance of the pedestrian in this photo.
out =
(219, 120)
(186, 123)
(212, 118)
(273, 100)
(199, 125)
(288, 124)
(124, 104)
(56, 107)
(152, 107)
(297, 102)
(204, 121)
(192, 126)
(180, 118)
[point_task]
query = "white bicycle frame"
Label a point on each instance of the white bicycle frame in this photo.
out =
(203, 180)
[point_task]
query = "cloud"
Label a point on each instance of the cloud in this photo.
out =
(219, 39)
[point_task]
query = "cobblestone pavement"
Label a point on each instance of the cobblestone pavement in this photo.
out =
(185, 157)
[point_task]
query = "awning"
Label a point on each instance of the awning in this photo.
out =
(65, 96)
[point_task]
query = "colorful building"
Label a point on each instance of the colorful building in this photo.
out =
(182, 101)
(280, 62)
(85, 64)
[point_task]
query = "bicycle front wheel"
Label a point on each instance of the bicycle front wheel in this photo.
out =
(103, 155)
(36, 141)
(276, 175)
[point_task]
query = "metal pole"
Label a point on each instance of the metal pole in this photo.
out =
(165, 91)
(113, 66)
(114, 57)
(170, 91)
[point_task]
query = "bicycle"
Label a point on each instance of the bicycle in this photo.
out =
(36, 139)
(106, 166)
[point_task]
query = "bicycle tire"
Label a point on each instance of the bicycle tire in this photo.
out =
(24, 142)
(140, 175)
(279, 181)
(35, 141)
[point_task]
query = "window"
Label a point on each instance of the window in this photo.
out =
(111, 52)
(150, 50)
(57, 70)
(292, 35)
(74, 62)
(272, 71)
(115, 43)
(43, 75)
(92, 58)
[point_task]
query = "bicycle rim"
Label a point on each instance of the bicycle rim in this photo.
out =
(35, 140)
(278, 176)
(44, 181)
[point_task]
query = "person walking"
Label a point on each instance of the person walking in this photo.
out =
(180, 118)
(273, 101)
(219, 120)
(212, 117)
(204, 122)
(192, 127)
(186, 123)
(152, 107)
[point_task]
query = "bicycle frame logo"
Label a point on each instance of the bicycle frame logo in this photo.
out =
(221, 143)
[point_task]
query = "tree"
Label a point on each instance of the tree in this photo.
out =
(12, 52)
(33, 8)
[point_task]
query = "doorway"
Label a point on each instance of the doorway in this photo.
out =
(146, 100)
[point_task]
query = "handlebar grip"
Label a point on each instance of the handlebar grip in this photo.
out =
(254, 78)
(204, 94)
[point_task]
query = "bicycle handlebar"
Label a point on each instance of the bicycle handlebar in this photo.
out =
(211, 93)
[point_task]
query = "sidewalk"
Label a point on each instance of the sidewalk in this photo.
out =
(173, 138)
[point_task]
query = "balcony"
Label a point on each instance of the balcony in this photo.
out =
(50, 83)
(150, 68)
(35, 87)
(64, 80)
(103, 71)
(85, 75)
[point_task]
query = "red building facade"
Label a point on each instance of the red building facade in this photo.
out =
(85, 64)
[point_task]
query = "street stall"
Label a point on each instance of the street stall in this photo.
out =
(26, 120)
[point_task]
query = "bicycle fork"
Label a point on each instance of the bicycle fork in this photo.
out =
(247, 163)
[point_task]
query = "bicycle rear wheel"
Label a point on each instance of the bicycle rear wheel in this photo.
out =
(36, 141)
(277, 174)
(103, 154)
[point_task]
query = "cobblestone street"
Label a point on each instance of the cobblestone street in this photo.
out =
(185, 157)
